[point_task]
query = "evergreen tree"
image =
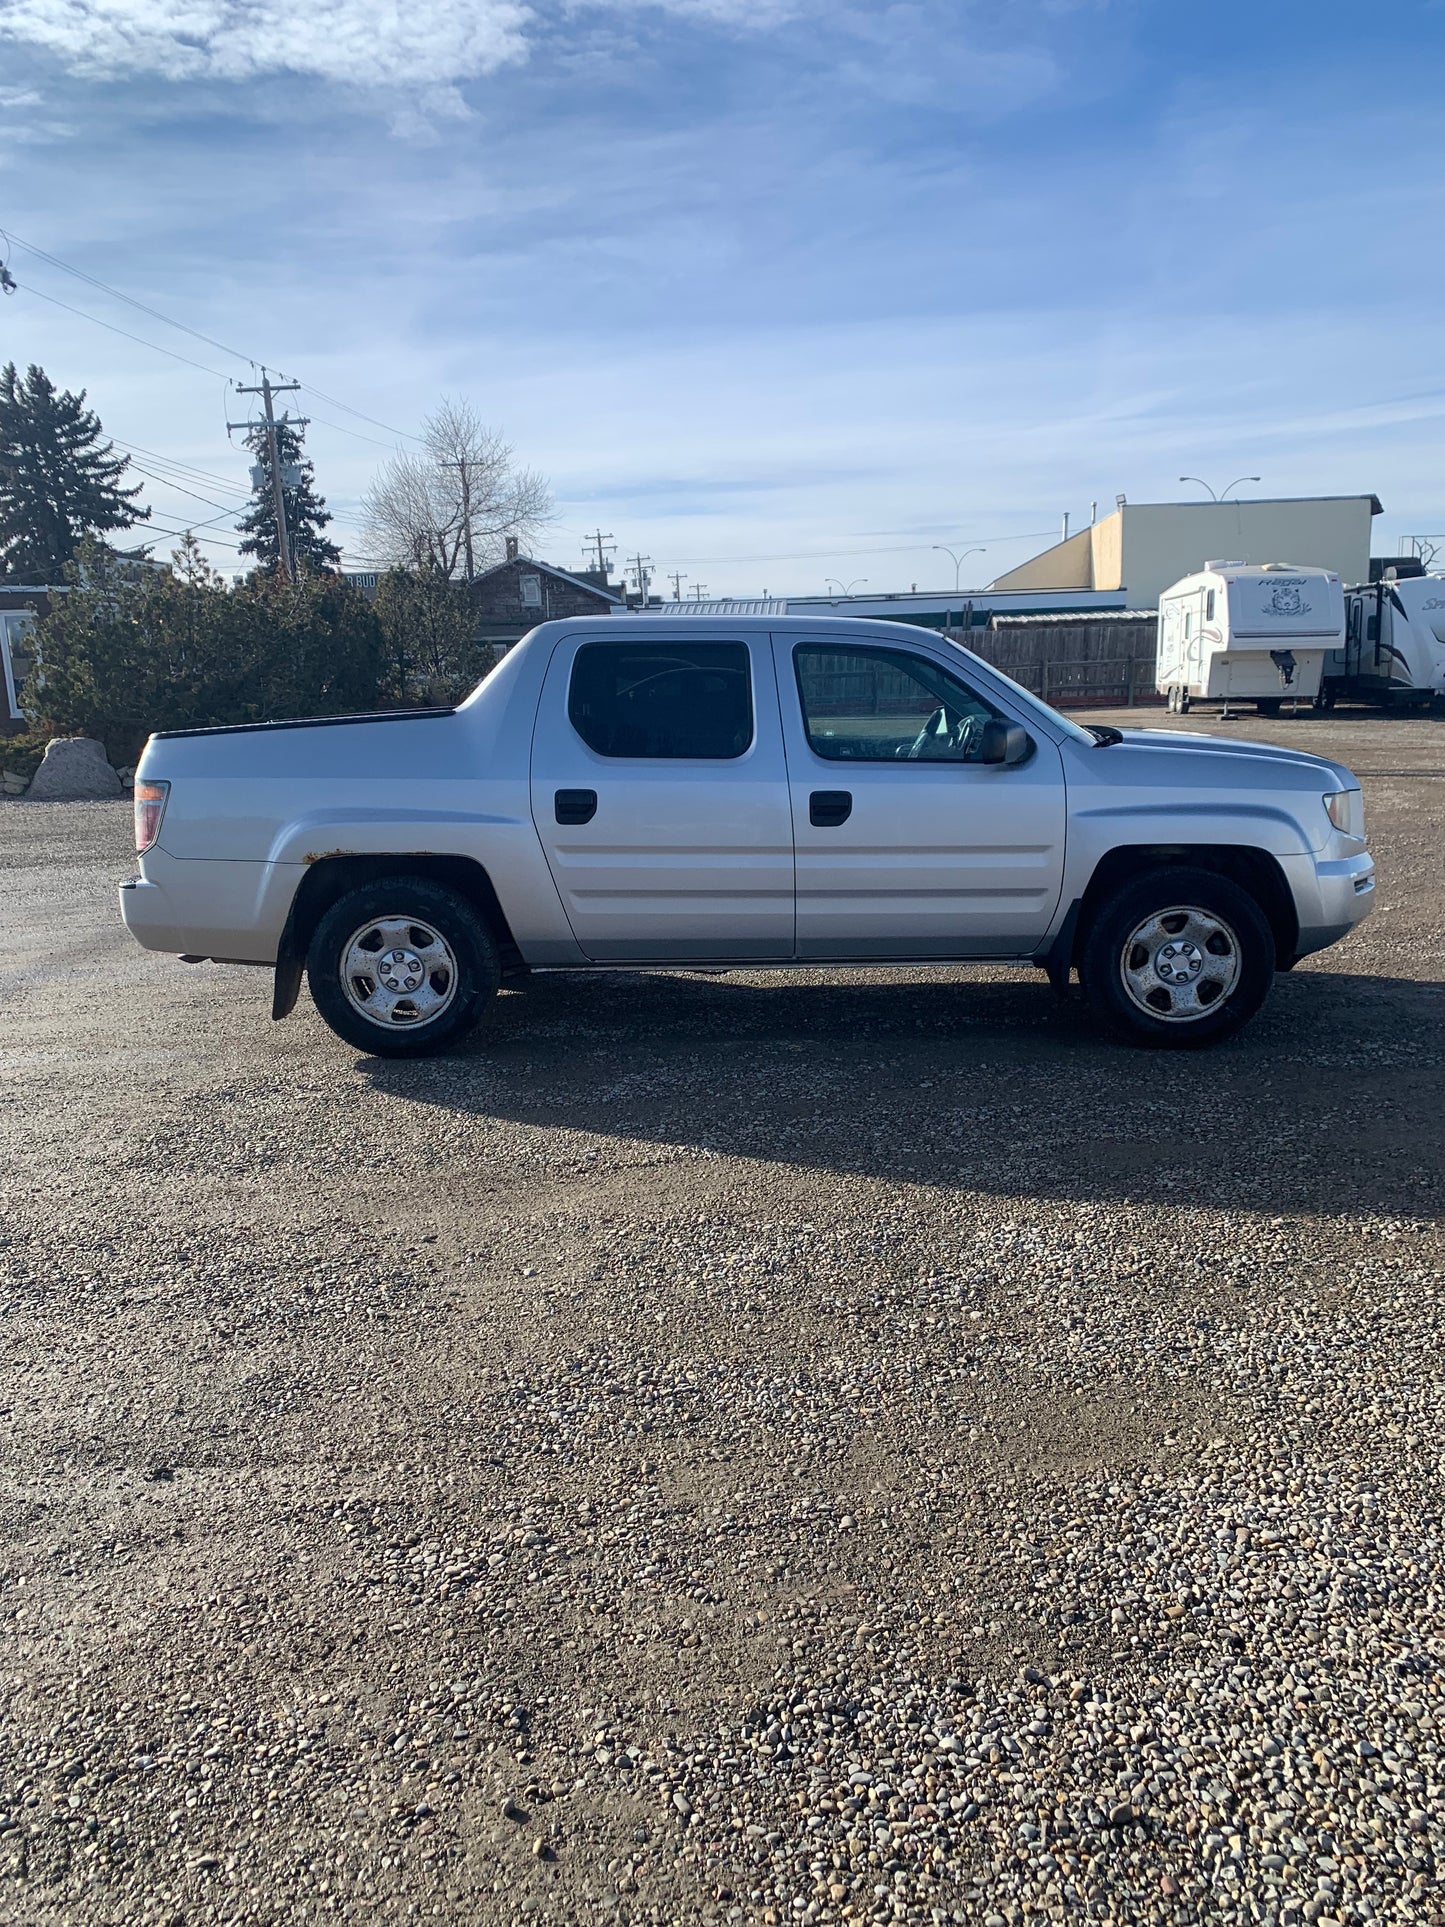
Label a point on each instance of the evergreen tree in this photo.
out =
(132, 650)
(59, 480)
(430, 626)
(306, 511)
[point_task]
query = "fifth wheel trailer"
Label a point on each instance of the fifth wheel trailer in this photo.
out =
(1257, 634)
(1394, 646)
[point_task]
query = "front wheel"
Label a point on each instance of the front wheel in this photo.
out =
(1177, 959)
(402, 967)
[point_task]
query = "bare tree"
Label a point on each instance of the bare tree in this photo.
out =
(450, 506)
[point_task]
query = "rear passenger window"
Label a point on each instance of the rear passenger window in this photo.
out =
(691, 700)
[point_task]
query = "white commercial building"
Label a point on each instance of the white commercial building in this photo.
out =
(1145, 546)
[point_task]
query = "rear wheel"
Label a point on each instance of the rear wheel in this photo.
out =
(1178, 958)
(402, 967)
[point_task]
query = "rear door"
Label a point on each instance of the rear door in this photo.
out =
(907, 845)
(660, 794)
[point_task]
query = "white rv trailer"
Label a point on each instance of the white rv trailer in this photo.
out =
(1240, 633)
(1394, 651)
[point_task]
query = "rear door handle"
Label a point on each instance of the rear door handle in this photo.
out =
(575, 806)
(828, 808)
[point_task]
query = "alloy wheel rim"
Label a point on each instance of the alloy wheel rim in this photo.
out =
(399, 973)
(1178, 965)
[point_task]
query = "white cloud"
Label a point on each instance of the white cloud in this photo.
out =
(429, 43)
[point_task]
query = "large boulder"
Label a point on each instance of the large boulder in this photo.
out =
(75, 767)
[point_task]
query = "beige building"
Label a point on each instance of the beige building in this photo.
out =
(1144, 546)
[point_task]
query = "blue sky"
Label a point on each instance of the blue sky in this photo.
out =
(774, 290)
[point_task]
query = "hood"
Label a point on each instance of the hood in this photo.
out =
(1183, 744)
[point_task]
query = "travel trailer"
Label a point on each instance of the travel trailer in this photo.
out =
(1256, 634)
(1394, 650)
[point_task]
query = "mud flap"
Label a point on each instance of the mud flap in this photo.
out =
(287, 987)
(1058, 960)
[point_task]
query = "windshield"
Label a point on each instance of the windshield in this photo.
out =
(1028, 700)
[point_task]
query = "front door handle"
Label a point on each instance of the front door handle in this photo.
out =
(828, 808)
(575, 806)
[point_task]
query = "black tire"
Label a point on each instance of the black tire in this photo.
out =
(462, 981)
(1183, 702)
(1324, 702)
(1242, 967)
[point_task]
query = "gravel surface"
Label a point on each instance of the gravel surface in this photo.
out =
(767, 1448)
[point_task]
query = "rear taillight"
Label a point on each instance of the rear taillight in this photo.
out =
(150, 807)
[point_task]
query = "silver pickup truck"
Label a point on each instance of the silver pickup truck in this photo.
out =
(660, 790)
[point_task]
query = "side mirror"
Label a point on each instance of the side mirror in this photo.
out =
(1003, 742)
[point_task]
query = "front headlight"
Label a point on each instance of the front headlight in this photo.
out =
(1346, 810)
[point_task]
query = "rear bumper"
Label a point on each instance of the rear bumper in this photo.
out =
(1335, 895)
(209, 907)
(148, 915)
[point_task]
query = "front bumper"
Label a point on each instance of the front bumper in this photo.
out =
(1338, 893)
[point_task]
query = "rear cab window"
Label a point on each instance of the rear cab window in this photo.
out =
(681, 701)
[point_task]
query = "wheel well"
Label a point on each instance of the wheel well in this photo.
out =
(328, 879)
(1253, 870)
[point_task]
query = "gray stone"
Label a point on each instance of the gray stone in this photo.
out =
(75, 768)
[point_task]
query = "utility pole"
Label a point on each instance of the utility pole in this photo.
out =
(699, 590)
(639, 567)
(677, 578)
(463, 468)
(597, 539)
(267, 389)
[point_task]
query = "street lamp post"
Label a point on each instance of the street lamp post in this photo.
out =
(957, 559)
(1219, 498)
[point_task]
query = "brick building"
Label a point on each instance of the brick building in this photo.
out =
(519, 593)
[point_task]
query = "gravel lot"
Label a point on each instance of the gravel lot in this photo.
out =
(726, 1448)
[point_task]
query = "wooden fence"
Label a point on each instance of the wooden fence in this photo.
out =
(1093, 660)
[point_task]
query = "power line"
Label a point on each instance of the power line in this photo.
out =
(182, 468)
(180, 487)
(830, 555)
(129, 299)
(183, 327)
(346, 408)
(55, 300)
(194, 528)
(342, 429)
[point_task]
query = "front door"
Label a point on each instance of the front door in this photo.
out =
(907, 844)
(660, 794)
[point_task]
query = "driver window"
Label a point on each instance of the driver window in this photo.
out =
(885, 705)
